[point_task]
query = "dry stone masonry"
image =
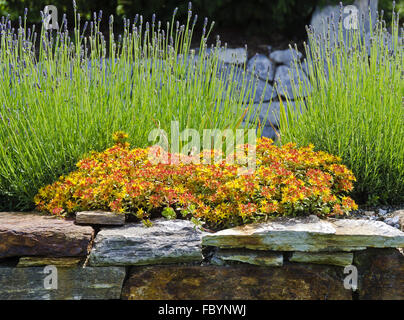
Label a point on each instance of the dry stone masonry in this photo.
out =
(273, 76)
(100, 218)
(285, 258)
(30, 234)
(309, 235)
(167, 241)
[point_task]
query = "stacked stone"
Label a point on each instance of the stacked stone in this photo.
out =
(43, 257)
(284, 258)
(271, 76)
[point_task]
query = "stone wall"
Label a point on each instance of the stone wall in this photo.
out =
(270, 76)
(99, 256)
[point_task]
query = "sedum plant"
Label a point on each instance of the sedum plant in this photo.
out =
(355, 108)
(287, 181)
(63, 94)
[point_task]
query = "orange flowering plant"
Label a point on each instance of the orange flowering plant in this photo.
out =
(287, 181)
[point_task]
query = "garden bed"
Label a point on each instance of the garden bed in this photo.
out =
(265, 220)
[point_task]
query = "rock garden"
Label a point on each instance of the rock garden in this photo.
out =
(138, 164)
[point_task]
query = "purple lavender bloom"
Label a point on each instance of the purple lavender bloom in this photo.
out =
(85, 26)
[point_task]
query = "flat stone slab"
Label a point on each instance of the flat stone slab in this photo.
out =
(259, 258)
(232, 55)
(100, 218)
(236, 282)
(31, 234)
(308, 234)
(72, 283)
(342, 259)
(285, 56)
(66, 262)
(167, 241)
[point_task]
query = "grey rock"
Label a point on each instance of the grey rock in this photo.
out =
(100, 218)
(400, 215)
(369, 213)
(380, 274)
(237, 282)
(32, 234)
(319, 19)
(270, 112)
(72, 283)
(308, 235)
(286, 78)
(392, 221)
(250, 82)
(261, 90)
(285, 56)
(166, 241)
(335, 258)
(230, 55)
(236, 56)
(260, 258)
(333, 14)
(382, 212)
(262, 66)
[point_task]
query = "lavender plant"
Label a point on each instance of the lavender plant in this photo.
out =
(356, 106)
(63, 94)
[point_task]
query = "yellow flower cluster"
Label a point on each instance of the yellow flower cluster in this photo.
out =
(287, 181)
